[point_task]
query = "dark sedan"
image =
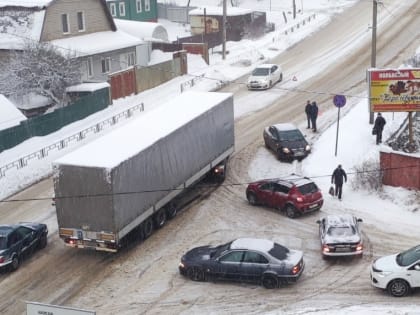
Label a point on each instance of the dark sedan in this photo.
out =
(246, 259)
(19, 241)
(287, 141)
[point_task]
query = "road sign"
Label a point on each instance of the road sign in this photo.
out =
(339, 100)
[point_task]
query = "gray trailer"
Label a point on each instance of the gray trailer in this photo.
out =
(125, 182)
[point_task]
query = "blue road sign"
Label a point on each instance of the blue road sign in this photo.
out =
(339, 100)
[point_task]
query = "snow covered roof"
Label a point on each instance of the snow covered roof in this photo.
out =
(340, 220)
(95, 43)
(117, 146)
(266, 65)
(285, 126)
(25, 3)
(87, 87)
(31, 100)
(252, 243)
(230, 11)
(15, 31)
(147, 31)
(9, 114)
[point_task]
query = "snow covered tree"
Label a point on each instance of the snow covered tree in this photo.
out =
(39, 69)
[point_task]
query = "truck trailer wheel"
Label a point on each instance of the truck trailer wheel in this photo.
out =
(171, 210)
(159, 218)
(147, 228)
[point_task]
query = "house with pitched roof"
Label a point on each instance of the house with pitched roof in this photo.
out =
(81, 29)
(134, 10)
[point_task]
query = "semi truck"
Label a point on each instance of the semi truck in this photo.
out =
(127, 182)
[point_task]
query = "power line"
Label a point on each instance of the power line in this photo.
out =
(198, 186)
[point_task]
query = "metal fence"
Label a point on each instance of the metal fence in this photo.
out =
(79, 136)
(48, 123)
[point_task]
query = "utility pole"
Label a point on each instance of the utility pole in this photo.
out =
(373, 54)
(224, 30)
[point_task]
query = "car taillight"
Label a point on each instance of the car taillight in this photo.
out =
(299, 199)
(70, 241)
(2, 259)
(295, 269)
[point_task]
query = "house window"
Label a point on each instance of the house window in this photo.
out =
(89, 66)
(106, 64)
(129, 60)
(138, 6)
(113, 9)
(81, 21)
(147, 5)
(122, 8)
(65, 23)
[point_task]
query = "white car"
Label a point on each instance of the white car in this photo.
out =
(264, 76)
(397, 273)
(340, 235)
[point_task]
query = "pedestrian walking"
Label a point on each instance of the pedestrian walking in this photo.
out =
(308, 113)
(338, 177)
(314, 115)
(378, 127)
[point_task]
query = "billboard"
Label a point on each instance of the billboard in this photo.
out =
(394, 90)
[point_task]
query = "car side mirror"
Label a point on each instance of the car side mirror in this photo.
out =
(318, 221)
(359, 220)
(417, 267)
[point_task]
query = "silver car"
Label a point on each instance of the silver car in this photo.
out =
(264, 76)
(340, 235)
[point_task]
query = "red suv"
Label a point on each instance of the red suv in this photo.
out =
(294, 194)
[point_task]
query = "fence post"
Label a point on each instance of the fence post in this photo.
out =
(42, 154)
(21, 163)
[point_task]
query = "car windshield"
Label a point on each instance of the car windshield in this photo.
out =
(308, 188)
(290, 135)
(341, 231)
(260, 72)
(279, 252)
(220, 249)
(409, 256)
(2, 242)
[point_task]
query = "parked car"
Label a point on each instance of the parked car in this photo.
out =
(340, 235)
(264, 76)
(398, 273)
(19, 241)
(245, 259)
(287, 141)
(294, 194)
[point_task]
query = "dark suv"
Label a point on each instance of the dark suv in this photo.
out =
(18, 241)
(287, 141)
(295, 195)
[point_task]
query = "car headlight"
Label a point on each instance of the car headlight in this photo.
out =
(181, 265)
(308, 147)
(286, 150)
(384, 273)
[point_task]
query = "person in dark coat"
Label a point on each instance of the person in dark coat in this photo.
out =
(314, 115)
(379, 127)
(337, 178)
(308, 113)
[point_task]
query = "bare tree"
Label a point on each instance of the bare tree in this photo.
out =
(39, 69)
